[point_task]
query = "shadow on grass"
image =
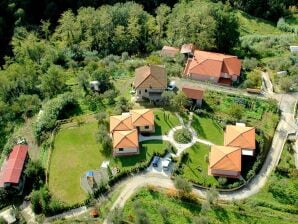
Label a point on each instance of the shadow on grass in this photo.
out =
(198, 127)
(132, 160)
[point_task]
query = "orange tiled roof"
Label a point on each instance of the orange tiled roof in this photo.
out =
(142, 117)
(193, 92)
(239, 136)
(212, 64)
(169, 51)
(125, 139)
(153, 76)
(120, 122)
(225, 158)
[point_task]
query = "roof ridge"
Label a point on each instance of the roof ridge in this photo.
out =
(147, 75)
(225, 154)
(228, 156)
(121, 121)
(241, 134)
(125, 136)
(154, 76)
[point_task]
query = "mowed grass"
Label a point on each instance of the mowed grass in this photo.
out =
(164, 121)
(147, 149)
(208, 129)
(156, 203)
(75, 152)
(195, 166)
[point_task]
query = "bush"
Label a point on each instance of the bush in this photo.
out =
(183, 136)
(250, 64)
(182, 185)
(51, 111)
(35, 173)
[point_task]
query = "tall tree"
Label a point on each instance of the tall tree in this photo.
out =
(227, 28)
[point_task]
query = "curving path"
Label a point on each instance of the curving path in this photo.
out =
(286, 125)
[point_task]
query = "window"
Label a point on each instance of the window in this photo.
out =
(147, 127)
(120, 149)
(145, 90)
(140, 91)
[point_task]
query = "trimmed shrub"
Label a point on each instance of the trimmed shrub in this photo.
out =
(51, 111)
(183, 136)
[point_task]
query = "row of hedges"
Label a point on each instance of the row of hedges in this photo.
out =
(50, 113)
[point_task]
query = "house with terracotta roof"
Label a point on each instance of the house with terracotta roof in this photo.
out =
(225, 161)
(150, 82)
(11, 174)
(213, 67)
(143, 120)
(125, 130)
(125, 142)
(168, 51)
(195, 94)
(241, 136)
(120, 122)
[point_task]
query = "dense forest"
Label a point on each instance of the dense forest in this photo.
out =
(51, 47)
(31, 12)
(45, 59)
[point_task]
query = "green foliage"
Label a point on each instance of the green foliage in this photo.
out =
(116, 216)
(227, 28)
(182, 185)
(179, 101)
(122, 105)
(183, 136)
(35, 173)
(253, 79)
(104, 138)
(187, 24)
(284, 26)
(50, 113)
(271, 9)
(236, 111)
(43, 203)
(53, 82)
(249, 64)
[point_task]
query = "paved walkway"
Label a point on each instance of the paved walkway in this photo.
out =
(170, 136)
(67, 215)
(27, 213)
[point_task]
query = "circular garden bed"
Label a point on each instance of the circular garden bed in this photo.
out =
(183, 136)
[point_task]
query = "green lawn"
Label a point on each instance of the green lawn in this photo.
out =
(75, 151)
(208, 129)
(253, 25)
(196, 167)
(164, 121)
(154, 203)
(147, 149)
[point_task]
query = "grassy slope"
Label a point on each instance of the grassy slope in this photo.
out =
(208, 129)
(183, 212)
(164, 121)
(263, 208)
(196, 167)
(265, 196)
(252, 25)
(75, 152)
